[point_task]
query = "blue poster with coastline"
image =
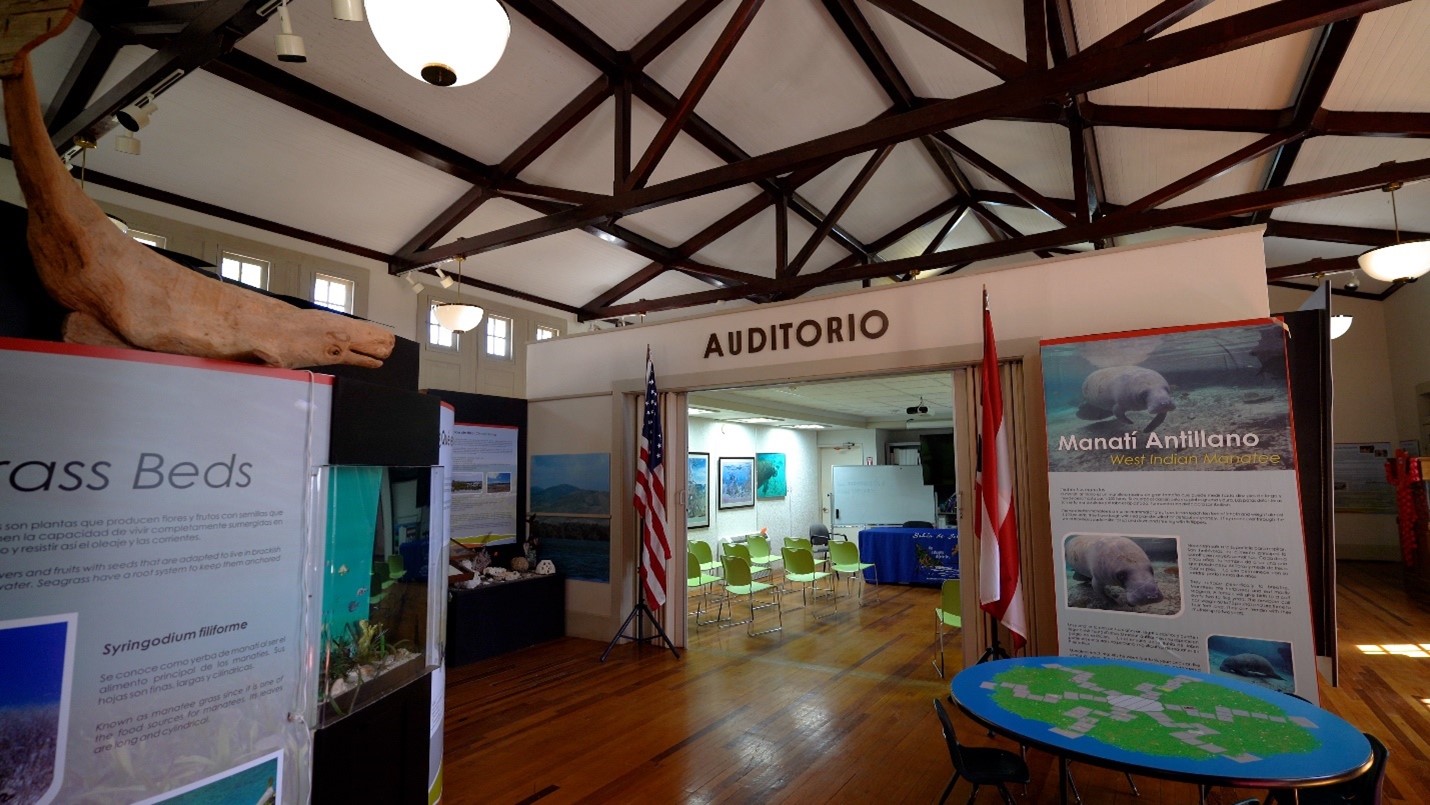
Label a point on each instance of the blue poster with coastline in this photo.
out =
(937, 555)
(571, 507)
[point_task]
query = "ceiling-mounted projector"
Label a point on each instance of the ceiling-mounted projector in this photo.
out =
(917, 410)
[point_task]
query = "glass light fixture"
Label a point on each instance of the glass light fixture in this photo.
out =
(1340, 323)
(456, 316)
(1403, 262)
(443, 42)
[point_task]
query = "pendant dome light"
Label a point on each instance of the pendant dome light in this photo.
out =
(456, 316)
(1402, 262)
(443, 42)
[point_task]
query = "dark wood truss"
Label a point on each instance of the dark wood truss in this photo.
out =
(1049, 83)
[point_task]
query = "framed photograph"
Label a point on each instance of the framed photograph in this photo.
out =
(770, 481)
(697, 490)
(737, 482)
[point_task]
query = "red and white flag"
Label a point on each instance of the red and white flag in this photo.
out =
(649, 498)
(995, 524)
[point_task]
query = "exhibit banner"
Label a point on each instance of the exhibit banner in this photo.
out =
(151, 562)
(483, 510)
(1175, 517)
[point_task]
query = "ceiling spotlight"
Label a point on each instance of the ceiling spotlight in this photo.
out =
(447, 43)
(447, 282)
(136, 115)
(127, 143)
(416, 286)
(348, 10)
(289, 45)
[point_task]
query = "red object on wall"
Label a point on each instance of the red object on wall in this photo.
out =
(1413, 515)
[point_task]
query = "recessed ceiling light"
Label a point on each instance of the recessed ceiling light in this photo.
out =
(757, 420)
(805, 427)
(699, 411)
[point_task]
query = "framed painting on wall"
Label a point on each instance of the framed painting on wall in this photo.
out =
(697, 490)
(737, 482)
(770, 479)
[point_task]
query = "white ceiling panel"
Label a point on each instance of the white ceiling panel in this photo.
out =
(1261, 77)
(1387, 67)
(535, 78)
(906, 184)
(914, 243)
(934, 71)
(490, 216)
(670, 283)
(750, 247)
(1330, 156)
(676, 223)
(214, 141)
(1286, 251)
(782, 97)
(570, 267)
(623, 30)
(1037, 154)
(1136, 162)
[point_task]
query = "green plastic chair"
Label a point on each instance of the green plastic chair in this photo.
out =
(698, 581)
(760, 552)
(947, 615)
(844, 558)
(737, 581)
(742, 550)
(799, 567)
(706, 555)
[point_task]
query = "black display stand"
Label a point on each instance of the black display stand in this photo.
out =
(496, 618)
(350, 766)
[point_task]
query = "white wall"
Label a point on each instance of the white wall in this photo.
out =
(1364, 409)
(783, 517)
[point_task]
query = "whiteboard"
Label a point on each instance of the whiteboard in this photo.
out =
(881, 495)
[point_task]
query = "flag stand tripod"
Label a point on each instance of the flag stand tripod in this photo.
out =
(640, 609)
(995, 649)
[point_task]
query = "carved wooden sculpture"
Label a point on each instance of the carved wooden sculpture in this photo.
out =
(122, 292)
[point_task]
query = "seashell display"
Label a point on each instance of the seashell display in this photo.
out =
(545, 567)
(520, 564)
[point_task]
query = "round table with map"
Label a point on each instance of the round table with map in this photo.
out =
(1163, 721)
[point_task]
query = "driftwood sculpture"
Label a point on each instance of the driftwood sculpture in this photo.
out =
(122, 292)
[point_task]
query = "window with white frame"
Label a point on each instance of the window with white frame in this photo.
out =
(544, 333)
(498, 336)
(437, 335)
(247, 270)
(333, 292)
(149, 238)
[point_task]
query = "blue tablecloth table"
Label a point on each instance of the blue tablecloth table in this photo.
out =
(910, 555)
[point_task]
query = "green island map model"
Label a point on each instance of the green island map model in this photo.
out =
(1155, 713)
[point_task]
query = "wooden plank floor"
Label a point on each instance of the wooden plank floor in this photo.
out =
(834, 710)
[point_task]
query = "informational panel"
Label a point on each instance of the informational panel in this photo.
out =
(881, 495)
(1172, 485)
(484, 496)
(151, 558)
(1360, 483)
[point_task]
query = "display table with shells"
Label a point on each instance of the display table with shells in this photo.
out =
(503, 611)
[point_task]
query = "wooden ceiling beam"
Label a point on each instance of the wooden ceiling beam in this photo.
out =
(1034, 199)
(959, 40)
(560, 124)
(1186, 215)
(871, 165)
(1203, 175)
(1255, 121)
(1082, 138)
(1035, 34)
(942, 234)
(876, 58)
(668, 32)
(1311, 268)
(719, 53)
(91, 62)
(1373, 124)
(214, 30)
(455, 213)
(1332, 233)
(1149, 23)
(1329, 52)
(1079, 74)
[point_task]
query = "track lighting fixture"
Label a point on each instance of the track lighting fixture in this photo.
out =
(348, 10)
(447, 282)
(289, 45)
(414, 284)
(136, 115)
(127, 143)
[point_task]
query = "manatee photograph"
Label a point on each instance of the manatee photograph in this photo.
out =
(1123, 573)
(1211, 399)
(35, 664)
(1261, 662)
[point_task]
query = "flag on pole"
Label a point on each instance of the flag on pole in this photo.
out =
(995, 524)
(649, 498)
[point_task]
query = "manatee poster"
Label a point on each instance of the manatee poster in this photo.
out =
(1172, 488)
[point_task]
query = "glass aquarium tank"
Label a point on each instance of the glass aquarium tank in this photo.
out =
(376, 618)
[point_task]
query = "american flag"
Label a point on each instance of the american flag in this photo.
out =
(995, 524)
(649, 498)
